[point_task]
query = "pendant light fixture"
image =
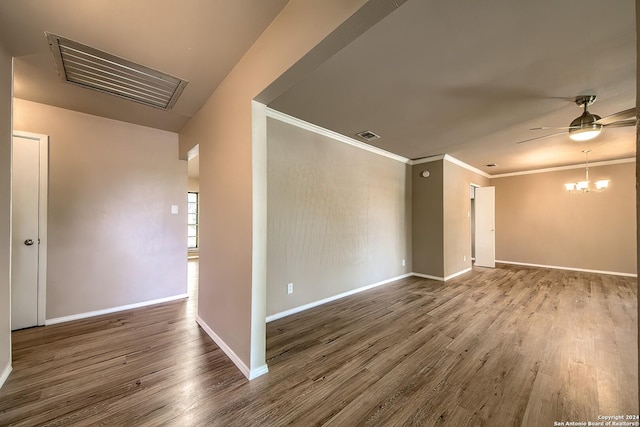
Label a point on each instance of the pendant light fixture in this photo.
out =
(585, 186)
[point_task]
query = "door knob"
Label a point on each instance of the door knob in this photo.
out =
(28, 242)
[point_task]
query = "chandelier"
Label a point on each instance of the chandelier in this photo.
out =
(585, 186)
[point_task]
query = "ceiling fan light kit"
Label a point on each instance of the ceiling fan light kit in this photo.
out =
(586, 126)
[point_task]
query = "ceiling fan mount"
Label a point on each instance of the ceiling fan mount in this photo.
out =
(585, 99)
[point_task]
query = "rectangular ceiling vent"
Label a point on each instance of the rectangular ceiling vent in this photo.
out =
(367, 135)
(93, 69)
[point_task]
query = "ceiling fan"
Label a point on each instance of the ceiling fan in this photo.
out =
(588, 125)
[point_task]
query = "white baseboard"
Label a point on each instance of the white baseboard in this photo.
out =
(255, 373)
(428, 276)
(459, 273)
(557, 267)
(440, 278)
(249, 373)
(5, 374)
(305, 307)
(424, 276)
(112, 310)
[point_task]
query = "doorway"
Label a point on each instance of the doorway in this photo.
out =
(29, 184)
(484, 227)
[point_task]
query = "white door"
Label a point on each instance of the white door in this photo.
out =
(485, 224)
(27, 253)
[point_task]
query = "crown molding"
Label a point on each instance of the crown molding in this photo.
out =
(427, 159)
(294, 121)
(277, 115)
(464, 165)
(450, 159)
(563, 168)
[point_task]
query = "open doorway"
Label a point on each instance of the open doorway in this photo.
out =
(193, 226)
(193, 203)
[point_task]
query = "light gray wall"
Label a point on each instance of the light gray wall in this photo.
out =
(539, 222)
(457, 218)
(339, 217)
(428, 219)
(112, 239)
(5, 204)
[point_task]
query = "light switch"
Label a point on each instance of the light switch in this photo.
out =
(174, 209)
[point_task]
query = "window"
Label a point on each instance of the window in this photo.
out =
(192, 220)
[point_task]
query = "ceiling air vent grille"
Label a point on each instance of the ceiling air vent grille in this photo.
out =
(93, 69)
(367, 135)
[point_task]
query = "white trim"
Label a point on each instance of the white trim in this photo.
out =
(258, 372)
(112, 310)
(427, 160)
(5, 374)
(250, 374)
(42, 229)
(440, 278)
(556, 267)
(459, 273)
(193, 152)
(562, 168)
(473, 169)
(258, 349)
(305, 307)
(450, 159)
(428, 276)
(466, 166)
(274, 114)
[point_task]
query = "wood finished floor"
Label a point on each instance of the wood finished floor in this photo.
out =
(514, 346)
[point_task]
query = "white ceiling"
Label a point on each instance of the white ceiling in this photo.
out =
(196, 40)
(470, 78)
(463, 78)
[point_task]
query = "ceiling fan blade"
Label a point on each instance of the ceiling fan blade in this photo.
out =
(622, 123)
(541, 137)
(619, 116)
(551, 127)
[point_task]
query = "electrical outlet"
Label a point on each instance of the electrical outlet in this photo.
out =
(290, 288)
(404, 263)
(465, 257)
